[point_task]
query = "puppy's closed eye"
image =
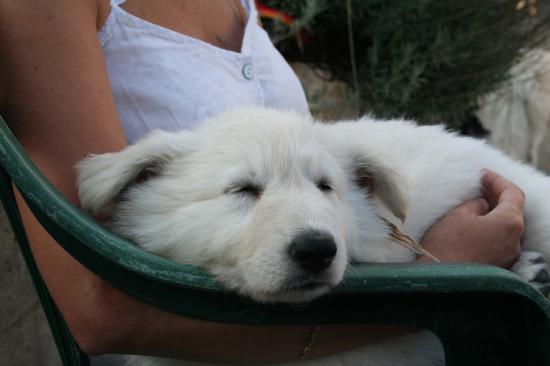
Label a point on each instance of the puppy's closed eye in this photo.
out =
(325, 185)
(245, 188)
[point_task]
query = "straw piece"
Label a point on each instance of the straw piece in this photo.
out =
(403, 239)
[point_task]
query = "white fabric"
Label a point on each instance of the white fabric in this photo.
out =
(162, 79)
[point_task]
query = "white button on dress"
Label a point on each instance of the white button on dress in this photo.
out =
(248, 71)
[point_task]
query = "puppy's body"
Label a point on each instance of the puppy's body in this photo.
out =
(443, 170)
(253, 194)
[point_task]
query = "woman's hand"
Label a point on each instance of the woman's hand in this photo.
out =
(485, 230)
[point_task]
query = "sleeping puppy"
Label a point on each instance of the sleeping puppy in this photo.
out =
(275, 205)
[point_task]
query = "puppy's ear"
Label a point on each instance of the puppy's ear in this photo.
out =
(101, 178)
(381, 182)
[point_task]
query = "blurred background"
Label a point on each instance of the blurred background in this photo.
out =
(481, 67)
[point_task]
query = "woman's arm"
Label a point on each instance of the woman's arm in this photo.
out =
(59, 105)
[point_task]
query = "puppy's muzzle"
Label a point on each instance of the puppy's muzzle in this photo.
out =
(313, 250)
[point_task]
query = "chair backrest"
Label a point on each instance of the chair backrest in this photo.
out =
(481, 314)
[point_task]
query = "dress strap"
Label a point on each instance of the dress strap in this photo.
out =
(246, 6)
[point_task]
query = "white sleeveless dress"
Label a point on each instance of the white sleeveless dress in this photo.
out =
(162, 79)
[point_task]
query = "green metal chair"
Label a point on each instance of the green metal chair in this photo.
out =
(482, 315)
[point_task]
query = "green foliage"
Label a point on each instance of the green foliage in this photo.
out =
(423, 59)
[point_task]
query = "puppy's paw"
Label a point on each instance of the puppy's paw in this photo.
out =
(532, 267)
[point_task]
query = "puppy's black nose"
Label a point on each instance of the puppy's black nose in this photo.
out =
(313, 250)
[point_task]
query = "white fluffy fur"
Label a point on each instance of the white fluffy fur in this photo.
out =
(191, 209)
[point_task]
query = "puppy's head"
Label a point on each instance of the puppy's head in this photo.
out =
(253, 197)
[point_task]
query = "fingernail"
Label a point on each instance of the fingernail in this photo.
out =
(484, 205)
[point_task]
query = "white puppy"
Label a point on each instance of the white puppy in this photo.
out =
(274, 205)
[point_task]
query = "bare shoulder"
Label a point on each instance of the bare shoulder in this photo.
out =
(55, 82)
(12, 11)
